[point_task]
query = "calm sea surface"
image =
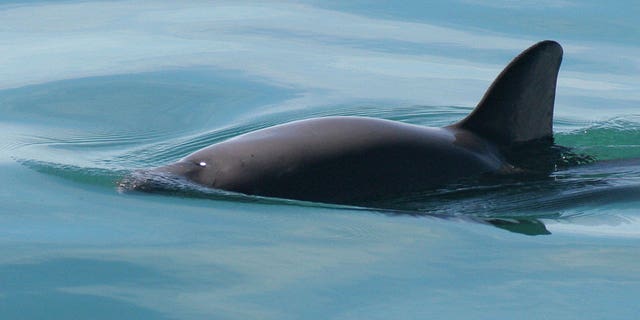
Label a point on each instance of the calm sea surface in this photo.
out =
(90, 90)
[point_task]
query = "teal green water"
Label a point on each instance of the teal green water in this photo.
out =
(91, 90)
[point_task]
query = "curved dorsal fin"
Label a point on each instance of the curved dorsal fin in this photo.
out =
(518, 107)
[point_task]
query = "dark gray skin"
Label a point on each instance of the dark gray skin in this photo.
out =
(312, 160)
(352, 160)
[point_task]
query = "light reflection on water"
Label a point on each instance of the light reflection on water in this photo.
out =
(90, 89)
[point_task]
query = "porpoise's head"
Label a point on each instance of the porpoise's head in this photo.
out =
(174, 176)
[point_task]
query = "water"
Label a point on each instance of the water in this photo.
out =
(91, 90)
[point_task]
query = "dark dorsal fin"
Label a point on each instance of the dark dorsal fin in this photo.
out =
(518, 107)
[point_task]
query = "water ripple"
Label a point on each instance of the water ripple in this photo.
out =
(114, 154)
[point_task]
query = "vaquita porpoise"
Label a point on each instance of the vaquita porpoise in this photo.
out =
(351, 160)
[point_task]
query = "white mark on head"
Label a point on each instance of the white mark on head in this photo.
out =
(202, 164)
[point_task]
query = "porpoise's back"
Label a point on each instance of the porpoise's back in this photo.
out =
(354, 160)
(345, 159)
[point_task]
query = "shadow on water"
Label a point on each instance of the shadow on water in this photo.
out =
(555, 181)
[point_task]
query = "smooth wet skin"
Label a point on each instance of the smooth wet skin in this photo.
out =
(312, 160)
(353, 160)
